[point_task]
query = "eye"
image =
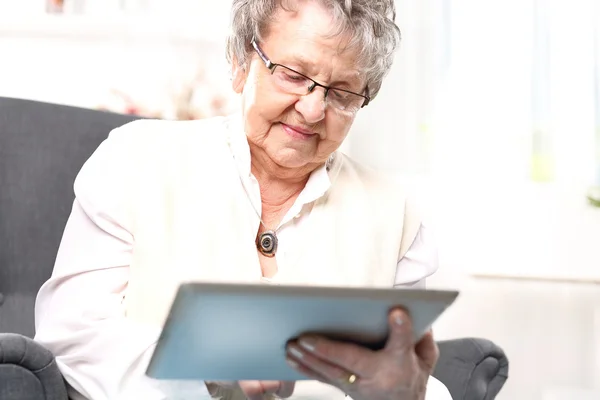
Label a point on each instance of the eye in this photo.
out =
(340, 95)
(293, 77)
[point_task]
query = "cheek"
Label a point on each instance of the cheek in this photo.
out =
(249, 93)
(258, 109)
(259, 99)
(338, 127)
(337, 130)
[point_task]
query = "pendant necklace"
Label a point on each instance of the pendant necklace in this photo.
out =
(267, 241)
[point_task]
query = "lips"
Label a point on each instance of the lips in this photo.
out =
(297, 132)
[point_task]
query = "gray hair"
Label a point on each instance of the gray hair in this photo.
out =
(370, 23)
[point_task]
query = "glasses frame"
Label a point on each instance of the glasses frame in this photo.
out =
(271, 67)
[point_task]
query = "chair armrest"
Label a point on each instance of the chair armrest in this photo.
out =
(471, 369)
(28, 370)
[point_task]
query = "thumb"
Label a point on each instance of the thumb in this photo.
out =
(400, 339)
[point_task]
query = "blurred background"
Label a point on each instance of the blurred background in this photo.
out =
(491, 112)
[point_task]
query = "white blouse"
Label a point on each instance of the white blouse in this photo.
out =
(81, 319)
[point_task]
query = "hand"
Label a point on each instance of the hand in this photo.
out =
(399, 371)
(258, 390)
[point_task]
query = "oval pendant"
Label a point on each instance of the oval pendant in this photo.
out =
(266, 243)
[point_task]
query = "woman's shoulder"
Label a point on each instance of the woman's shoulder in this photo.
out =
(153, 132)
(146, 150)
(157, 126)
(357, 173)
(168, 144)
(385, 189)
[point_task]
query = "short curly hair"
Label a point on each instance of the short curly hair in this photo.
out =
(371, 24)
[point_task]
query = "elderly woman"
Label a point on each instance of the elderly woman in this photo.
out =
(260, 197)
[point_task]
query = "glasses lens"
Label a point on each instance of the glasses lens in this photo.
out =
(345, 101)
(291, 81)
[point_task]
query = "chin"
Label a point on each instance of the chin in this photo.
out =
(291, 158)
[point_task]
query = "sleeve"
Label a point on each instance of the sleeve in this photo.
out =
(79, 311)
(420, 261)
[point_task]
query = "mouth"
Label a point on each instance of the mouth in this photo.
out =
(297, 132)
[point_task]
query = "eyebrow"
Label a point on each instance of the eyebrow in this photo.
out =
(304, 64)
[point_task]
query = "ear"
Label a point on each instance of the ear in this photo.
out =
(239, 76)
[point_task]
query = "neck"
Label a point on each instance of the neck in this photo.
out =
(278, 186)
(277, 191)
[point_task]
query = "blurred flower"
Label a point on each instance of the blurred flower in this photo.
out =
(195, 98)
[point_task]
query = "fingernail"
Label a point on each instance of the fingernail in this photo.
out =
(399, 319)
(292, 363)
(295, 352)
(309, 343)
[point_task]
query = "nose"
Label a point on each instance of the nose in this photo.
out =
(312, 106)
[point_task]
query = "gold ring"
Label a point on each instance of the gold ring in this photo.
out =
(351, 379)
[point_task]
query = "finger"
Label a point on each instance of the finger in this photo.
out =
(308, 364)
(428, 351)
(258, 389)
(253, 390)
(401, 332)
(286, 389)
(278, 388)
(309, 373)
(348, 356)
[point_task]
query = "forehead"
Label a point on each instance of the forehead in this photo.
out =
(301, 33)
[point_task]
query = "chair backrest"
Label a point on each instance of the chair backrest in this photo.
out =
(42, 148)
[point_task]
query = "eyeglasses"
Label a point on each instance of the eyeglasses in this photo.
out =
(293, 82)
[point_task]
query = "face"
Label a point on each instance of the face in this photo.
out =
(292, 131)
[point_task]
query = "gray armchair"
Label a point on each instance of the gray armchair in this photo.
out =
(42, 147)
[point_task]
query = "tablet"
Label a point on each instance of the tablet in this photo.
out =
(231, 332)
